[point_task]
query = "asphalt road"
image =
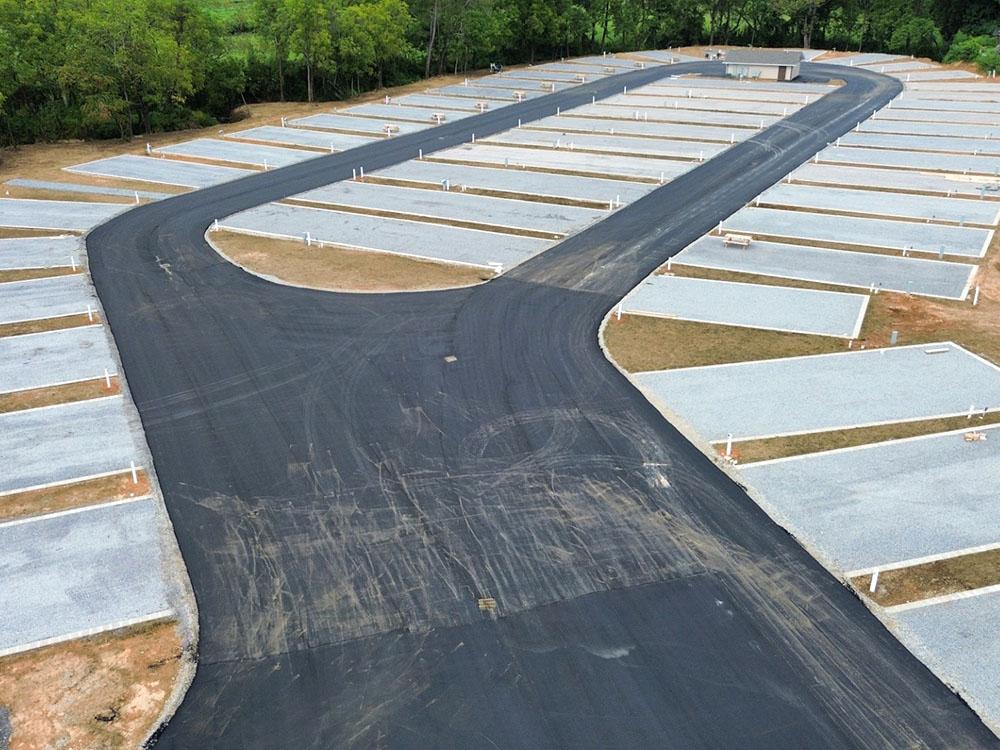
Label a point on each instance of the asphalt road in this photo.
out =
(343, 495)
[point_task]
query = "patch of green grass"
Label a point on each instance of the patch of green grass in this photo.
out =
(229, 10)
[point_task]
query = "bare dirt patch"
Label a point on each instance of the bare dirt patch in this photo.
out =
(339, 269)
(74, 495)
(749, 451)
(24, 327)
(11, 233)
(103, 692)
(25, 274)
(66, 393)
(938, 578)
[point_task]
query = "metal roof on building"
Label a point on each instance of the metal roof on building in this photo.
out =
(763, 57)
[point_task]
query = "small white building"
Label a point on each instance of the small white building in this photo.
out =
(763, 64)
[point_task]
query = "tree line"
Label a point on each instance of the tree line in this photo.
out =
(108, 68)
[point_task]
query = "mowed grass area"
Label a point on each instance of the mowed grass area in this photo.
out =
(641, 342)
(937, 578)
(749, 451)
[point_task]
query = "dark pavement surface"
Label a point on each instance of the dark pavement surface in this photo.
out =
(342, 496)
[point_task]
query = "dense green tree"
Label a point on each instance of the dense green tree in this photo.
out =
(917, 36)
(309, 23)
(100, 68)
(270, 24)
(804, 14)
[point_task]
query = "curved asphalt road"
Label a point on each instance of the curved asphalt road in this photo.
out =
(342, 496)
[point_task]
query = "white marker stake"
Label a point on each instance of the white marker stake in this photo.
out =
(354, 173)
(285, 119)
(361, 171)
(729, 445)
(972, 408)
(308, 239)
(72, 263)
(420, 154)
(874, 584)
(107, 378)
(135, 474)
(975, 296)
(619, 313)
(90, 313)
(215, 225)
(137, 197)
(473, 137)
